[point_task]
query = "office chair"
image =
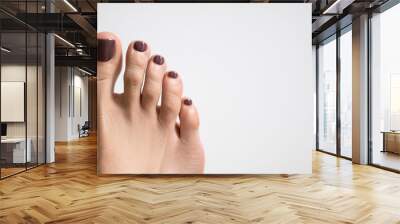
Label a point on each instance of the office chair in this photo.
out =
(84, 130)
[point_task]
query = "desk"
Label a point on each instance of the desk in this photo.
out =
(391, 141)
(13, 150)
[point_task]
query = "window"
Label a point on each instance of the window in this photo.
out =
(334, 138)
(385, 89)
(346, 94)
(327, 96)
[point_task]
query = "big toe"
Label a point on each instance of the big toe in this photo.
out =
(108, 63)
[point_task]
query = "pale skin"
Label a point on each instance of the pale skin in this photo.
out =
(135, 134)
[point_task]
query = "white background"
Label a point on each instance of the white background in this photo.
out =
(247, 68)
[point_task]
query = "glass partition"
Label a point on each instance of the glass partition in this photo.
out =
(32, 103)
(13, 111)
(41, 109)
(22, 67)
(31, 99)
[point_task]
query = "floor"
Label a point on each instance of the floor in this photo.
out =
(69, 191)
(387, 159)
(13, 170)
(10, 171)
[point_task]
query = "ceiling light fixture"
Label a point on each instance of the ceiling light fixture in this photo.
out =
(84, 71)
(337, 7)
(5, 50)
(331, 7)
(65, 41)
(70, 5)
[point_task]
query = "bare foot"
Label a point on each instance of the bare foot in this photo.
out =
(135, 136)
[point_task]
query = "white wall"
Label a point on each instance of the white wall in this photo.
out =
(12, 73)
(15, 72)
(68, 82)
(80, 84)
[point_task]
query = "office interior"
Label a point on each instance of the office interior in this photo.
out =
(45, 87)
(335, 74)
(48, 82)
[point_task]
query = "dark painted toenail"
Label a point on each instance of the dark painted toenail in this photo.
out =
(105, 49)
(173, 74)
(159, 60)
(140, 46)
(187, 101)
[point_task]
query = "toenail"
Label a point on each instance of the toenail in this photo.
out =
(159, 60)
(106, 49)
(187, 101)
(140, 46)
(173, 74)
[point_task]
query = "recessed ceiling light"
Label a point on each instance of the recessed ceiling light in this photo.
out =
(5, 50)
(70, 5)
(84, 71)
(338, 6)
(65, 41)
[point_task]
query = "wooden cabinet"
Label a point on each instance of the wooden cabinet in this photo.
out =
(391, 142)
